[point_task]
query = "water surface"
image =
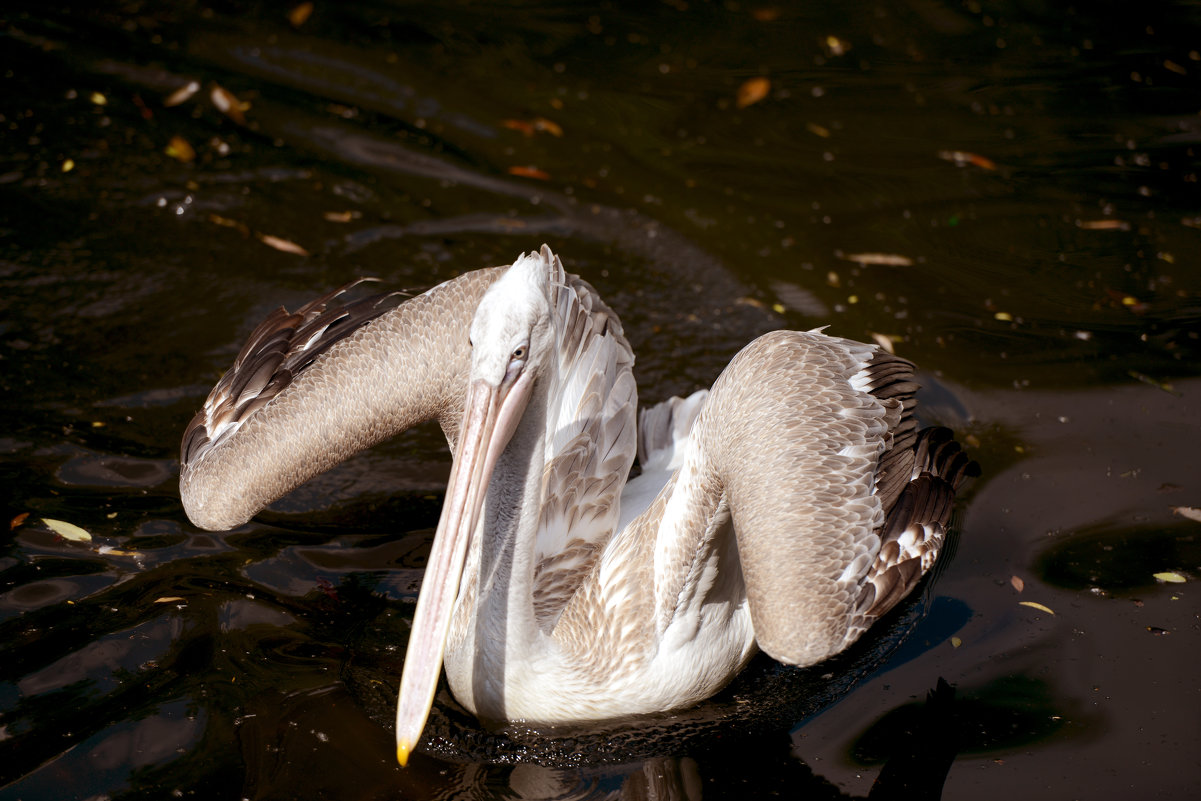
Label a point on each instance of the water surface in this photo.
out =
(1006, 191)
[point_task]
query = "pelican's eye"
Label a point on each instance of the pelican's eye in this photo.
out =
(519, 353)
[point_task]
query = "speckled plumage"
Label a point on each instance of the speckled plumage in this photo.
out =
(787, 509)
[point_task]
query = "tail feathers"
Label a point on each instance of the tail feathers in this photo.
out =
(915, 526)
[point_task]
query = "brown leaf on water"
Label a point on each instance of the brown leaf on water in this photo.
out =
(752, 91)
(181, 150)
(283, 245)
(182, 94)
(300, 14)
(879, 259)
(529, 172)
(342, 216)
(1108, 224)
(1017, 583)
(228, 104)
(1191, 512)
(962, 158)
(17, 521)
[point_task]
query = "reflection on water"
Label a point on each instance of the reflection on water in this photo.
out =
(1008, 192)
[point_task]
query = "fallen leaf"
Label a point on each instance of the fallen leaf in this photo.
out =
(962, 157)
(1038, 606)
(1170, 577)
(1166, 386)
(524, 126)
(342, 216)
(283, 245)
(68, 531)
(300, 14)
(529, 172)
(108, 550)
(181, 150)
(1103, 225)
(98, 99)
(1004, 317)
(880, 259)
(168, 599)
(752, 91)
(1191, 512)
(1017, 583)
(956, 642)
(68, 165)
(18, 520)
(228, 104)
(182, 94)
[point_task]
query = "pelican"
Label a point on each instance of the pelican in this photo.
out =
(784, 509)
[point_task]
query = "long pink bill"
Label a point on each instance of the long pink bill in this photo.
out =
(490, 417)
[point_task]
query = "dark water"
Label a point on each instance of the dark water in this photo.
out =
(1034, 164)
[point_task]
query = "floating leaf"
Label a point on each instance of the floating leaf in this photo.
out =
(228, 104)
(98, 99)
(962, 158)
(283, 245)
(108, 550)
(18, 520)
(68, 165)
(342, 216)
(1171, 577)
(1103, 225)
(182, 94)
(181, 150)
(752, 91)
(1191, 512)
(1038, 606)
(880, 259)
(68, 531)
(529, 172)
(956, 642)
(300, 14)
(168, 599)
(1017, 583)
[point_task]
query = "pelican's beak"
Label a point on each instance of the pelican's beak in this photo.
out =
(490, 417)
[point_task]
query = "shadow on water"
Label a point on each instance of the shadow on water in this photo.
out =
(1007, 192)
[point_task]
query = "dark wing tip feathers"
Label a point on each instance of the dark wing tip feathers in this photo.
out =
(280, 347)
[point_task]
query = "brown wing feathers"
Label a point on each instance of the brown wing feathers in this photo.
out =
(284, 344)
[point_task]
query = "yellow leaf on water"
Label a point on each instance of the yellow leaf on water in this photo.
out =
(1038, 606)
(956, 642)
(168, 599)
(1170, 577)
(752, 91)
(181, 150)
(68, 531)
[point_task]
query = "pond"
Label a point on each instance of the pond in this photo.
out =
(1005, 192)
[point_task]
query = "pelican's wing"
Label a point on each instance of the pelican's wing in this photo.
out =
(590, 444)
(278, 349)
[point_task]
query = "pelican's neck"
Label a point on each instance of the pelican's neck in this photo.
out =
(406, 367)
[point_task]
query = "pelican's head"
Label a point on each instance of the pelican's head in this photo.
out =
(511, 334)
(512, 339)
